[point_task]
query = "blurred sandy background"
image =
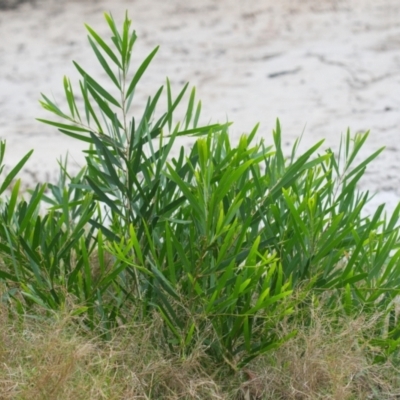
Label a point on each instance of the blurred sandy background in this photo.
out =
(320, 66)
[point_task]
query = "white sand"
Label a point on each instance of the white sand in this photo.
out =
(319, 65)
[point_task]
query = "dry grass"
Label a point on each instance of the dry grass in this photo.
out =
(49, 359)
(327, 360)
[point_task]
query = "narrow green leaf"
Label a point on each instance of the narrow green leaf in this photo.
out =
(111, 24)
(363, 164)
(88, 107)
(300, 225)
(136, 245)
(63, 126)
(186, 190)
(359, 140)
(82, 138)
(140, 72)
(93, 84)
(13, 200)
(50, 106)
(169, 323)
(197, 115)
(104, 46)
(125, 41)
(169, 105)
(170, 255)
(105, 108)
(189, 335)
(104, 64)
(172, 106)
(69, 94)
(111, 277)
(32, 207)
(189, 112)
(102, 196)
(12, 174)
(86, 269)
(228, 179)
(247, 333)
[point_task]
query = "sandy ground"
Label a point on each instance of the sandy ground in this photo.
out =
(320, 66)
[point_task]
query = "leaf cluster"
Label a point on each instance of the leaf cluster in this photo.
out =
(221, 242)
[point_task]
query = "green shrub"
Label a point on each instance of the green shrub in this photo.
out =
(222, 242)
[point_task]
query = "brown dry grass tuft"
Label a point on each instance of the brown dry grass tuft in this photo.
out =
(50, 359)
(326, 360)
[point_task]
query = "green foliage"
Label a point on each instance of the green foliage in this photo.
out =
(222, 242)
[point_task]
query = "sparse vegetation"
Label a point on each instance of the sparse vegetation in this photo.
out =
(226, 272)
